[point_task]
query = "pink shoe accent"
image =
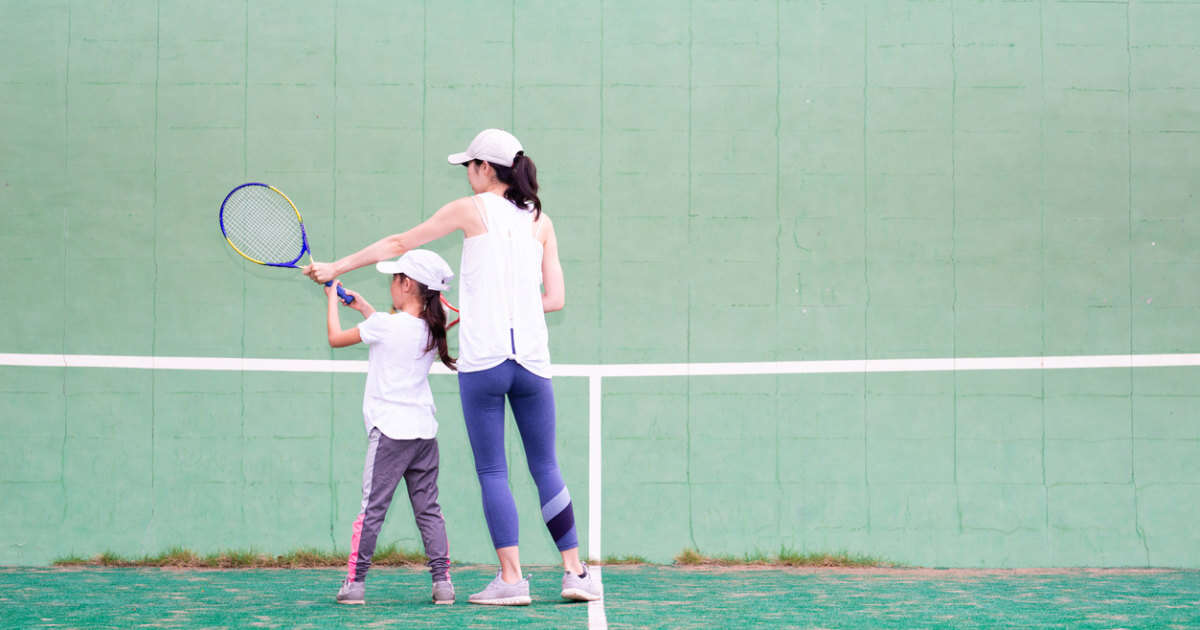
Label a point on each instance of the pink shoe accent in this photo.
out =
(352, 561)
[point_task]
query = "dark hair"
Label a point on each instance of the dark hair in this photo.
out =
(521, 178)
(435, 317)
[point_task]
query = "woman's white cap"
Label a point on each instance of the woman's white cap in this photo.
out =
(421, 265)
(491, 145)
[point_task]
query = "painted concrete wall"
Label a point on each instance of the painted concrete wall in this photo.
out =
(730, 181)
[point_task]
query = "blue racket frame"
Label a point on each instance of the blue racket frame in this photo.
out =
(304, 249)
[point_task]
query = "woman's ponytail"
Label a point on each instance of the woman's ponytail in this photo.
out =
(521, 178)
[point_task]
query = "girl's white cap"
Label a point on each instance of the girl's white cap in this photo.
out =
(491, 145)
(421, 265)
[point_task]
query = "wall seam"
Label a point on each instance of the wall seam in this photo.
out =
(866, 267)
(333, 236)
(154, 293)
(954, 247)
(1137, 522)
(691, 510)
(245, 176)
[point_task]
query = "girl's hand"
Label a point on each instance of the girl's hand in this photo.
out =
(331, 291)
(359, 303)
(320, 272)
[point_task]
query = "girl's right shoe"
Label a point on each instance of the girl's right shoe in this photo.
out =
(352, 592)
(500, 593)
(443, 592)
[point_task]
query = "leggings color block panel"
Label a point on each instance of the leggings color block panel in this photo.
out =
(532, 400)
(389, 461)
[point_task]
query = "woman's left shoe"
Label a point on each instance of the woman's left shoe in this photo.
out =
(501, 593)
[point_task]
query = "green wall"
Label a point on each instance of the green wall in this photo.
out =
(730, 181)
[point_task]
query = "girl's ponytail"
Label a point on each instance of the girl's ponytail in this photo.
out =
(521, 178)
(435, 317)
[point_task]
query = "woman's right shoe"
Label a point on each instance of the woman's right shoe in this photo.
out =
(583, 588)
(500, 593)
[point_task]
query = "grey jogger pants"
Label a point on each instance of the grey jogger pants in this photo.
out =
(389, 461)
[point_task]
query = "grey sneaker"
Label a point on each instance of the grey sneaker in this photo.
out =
(443, 592)
(352, 592)
(499, 593)
(582, 589)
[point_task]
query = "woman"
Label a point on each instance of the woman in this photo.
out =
(509, 249)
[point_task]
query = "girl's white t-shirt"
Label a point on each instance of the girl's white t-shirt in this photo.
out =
(397, 399)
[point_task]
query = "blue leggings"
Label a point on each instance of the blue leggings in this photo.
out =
(532, 401)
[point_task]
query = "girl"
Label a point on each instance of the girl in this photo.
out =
(398, 411)
(509, 250)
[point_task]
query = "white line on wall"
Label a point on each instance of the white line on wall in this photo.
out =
(618, 370)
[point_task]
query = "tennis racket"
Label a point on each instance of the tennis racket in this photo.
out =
(446, 303)
(263, 225)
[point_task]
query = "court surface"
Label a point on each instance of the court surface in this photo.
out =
(635, 597)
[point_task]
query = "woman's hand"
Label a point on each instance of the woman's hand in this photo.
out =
(321, 273)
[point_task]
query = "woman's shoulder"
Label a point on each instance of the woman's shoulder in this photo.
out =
(462, 203)
(543, 227)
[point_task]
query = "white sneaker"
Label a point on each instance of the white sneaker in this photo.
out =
(352, 592)
(583, 588)
(501, 593)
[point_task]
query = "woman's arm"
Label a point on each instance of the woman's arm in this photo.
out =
(552, 274)
(450, 217)
(339, 338)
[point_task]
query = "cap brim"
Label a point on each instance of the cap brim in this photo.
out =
(388, 266)
(458, 158)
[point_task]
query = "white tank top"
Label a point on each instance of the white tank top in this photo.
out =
(500, 294)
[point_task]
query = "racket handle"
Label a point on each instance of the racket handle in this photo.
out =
(346, 297)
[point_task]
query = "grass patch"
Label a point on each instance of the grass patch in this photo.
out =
(690, 557)
(174, 557)
(392, 555)
(71, 561)
(312, 557)
(627, 559)
(786, 558)
(790, 558)
(178, 557)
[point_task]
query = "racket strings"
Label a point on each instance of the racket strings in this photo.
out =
(263, 225)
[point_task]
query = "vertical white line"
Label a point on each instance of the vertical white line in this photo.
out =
(597, 619)
(594, 462)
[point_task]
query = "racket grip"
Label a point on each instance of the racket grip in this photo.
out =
(346, 297)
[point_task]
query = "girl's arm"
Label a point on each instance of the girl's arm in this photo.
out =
(552, 274)
(339, 338)
(450, 217)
